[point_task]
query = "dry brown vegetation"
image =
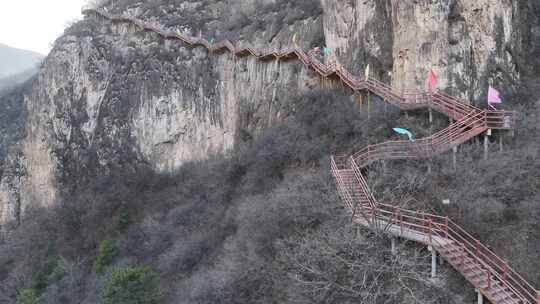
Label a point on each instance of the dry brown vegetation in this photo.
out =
(221, 231)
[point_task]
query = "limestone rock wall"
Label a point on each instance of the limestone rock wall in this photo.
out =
(110, 97)
(470, 44)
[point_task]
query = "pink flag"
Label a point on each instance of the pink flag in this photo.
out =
(494, 96)
(433, 81)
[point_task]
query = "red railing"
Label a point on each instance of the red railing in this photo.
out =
(501, 119)
(457, 133)
(345, 192)
(363, 184)
(442, 232)
(498, 274)
(498, 268)
(440, 101)
(342, 189)
(451, 106)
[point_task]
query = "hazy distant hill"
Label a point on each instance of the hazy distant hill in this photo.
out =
(15, 61)
(17, 65)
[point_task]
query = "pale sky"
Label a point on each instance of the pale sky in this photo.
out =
(34, 24)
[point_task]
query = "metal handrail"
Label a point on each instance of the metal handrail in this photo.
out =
(449, 105)
(444, 228)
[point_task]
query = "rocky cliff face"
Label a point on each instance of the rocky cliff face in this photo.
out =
(109, 96)
(470, 44)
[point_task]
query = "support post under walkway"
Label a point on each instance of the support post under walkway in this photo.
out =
(480, 297)
(433, 262)
(501, 148)
(486, 144)
(454, 157)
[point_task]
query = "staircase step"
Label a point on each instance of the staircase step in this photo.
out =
(455, 253)
(496, 285)
(470, 270)
(502, 295)
(475, 274)
(463, 260)
(506, 298)
(450, 247)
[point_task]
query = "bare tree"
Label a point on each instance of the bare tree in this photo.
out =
(337, 266)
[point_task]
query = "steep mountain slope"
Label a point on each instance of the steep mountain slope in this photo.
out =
(116, 112)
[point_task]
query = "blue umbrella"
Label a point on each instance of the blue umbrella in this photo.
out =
(404, 132)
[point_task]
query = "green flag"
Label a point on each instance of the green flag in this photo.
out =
(327, 50)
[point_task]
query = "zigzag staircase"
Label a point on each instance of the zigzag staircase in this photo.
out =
(491, 275)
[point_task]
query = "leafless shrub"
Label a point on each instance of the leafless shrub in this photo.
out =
(335, 264)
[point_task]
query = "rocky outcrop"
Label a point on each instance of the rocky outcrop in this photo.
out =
(109, 96)
(470, 44)
(360, 33)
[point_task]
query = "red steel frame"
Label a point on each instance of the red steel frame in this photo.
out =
(436, 228)
(441, 232)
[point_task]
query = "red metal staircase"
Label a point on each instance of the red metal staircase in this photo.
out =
(480, 266)
(491, 275)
